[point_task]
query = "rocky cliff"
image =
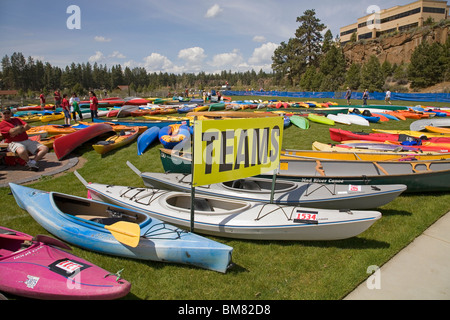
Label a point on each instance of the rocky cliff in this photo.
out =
(396, 48)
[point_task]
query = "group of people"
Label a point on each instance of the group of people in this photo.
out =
(365, 96)
(14, 129)
(71, 107)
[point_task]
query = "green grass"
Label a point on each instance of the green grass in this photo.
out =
(264, 270)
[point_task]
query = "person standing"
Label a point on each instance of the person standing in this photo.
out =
(14, 131)
(348, 96)
(57, 97)
(93, 105)
(66, 109)
(387, 99)
(75, 107)
(42, 100)
(365, 97)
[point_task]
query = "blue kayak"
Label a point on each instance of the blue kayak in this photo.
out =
(146, 139)
(106, 228)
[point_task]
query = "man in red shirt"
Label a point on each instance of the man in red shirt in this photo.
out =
(14, 131)
(93, 105)
(42, 100)
(57, 96)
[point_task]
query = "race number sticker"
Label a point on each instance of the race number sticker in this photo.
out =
(67, 267)
(354, 188)
(304, 216)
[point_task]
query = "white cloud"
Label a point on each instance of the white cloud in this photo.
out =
(193, 55)
(263, 54)
(117, 54)
(101, 39)
(259, 38)
(97, 57)
(233, 58)
(214, 11)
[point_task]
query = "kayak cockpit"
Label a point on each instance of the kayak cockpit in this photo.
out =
(203, 205)
(96, 211)
(259, 185)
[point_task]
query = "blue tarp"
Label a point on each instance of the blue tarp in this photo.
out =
(420, 97)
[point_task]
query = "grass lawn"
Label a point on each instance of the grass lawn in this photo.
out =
(263, 270)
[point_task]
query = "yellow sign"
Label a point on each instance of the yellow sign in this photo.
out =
(231, 149)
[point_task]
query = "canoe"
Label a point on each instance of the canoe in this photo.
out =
(35, 267)
(420, 125)
(339, 118)
(66, 144)
(320, 119)
(239, 219)
(313, 195)
(300, 122)
(231, 114)
(118, 231)
(327, 151)
(397, 152)
(418, 176)
(134, 123)
(393, 146)
(343, 135)
(416, 134)
(173, 134)
(116, 141)
(146, 139)
(437, 129)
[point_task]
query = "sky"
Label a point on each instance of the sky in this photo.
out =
(174, 36)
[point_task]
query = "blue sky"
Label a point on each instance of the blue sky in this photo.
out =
(172, 36)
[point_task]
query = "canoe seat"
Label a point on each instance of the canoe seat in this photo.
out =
(245, 185)
(202, 205)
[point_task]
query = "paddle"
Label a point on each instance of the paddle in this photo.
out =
(39, 238)
(125, 232)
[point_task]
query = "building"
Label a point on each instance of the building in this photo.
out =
(398, 18)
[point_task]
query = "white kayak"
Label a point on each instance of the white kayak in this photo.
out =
(313, 195)
(238, 219)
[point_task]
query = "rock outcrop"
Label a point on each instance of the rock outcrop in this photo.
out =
(397, 48)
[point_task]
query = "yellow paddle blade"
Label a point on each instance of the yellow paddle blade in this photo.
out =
(126, 232)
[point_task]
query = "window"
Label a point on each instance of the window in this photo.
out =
(401, 15)
(434, 10)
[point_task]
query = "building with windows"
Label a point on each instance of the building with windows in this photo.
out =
(398, 18)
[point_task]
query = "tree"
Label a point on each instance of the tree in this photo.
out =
(332, 66)
(372, 77)
(293, 58)
(427, 66)
(353, 76)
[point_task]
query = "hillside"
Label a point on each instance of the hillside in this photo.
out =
(398, 47)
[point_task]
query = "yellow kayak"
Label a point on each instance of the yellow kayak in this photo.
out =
(52, 117)
(119, 140)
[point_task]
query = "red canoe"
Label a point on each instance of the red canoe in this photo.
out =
(66, 144)
(344, 135)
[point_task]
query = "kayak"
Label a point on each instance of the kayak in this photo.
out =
(146, 139)
(320, 119)
(66, 144)
(114, 230)
(39, 268)
(300, 122)
(120, 139)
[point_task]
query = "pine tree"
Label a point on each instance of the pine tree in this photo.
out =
(372, 77)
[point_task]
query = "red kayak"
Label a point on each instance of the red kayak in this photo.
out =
(344, 135)
(39, 268)
(66, 144)
(35, 108)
